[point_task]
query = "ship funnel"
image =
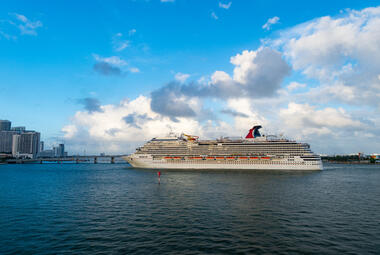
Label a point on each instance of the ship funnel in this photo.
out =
(253, 132)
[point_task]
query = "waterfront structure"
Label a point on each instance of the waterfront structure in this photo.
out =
(46, 154)
(6, 138)
(42, 145)
(15, 144)
(56, 151)
(5, 125)
(61, 150)
(18, 129)
(19, 142)
(28, 143)
(253, 152)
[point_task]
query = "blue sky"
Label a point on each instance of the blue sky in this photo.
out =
(47, 71)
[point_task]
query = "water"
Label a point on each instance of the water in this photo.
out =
(104, 208)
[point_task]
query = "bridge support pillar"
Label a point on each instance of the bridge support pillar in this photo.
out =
(40, 161)
(77, 161)
(112, 160)
(96, 160)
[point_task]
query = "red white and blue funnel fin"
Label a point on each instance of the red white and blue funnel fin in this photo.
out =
(254, 132)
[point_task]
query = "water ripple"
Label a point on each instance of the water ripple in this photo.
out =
(101, 209)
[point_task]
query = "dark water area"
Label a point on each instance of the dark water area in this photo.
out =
(106, 208)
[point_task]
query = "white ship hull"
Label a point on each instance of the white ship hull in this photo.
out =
(146, 161)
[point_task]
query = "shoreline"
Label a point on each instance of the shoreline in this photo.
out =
(364, 162)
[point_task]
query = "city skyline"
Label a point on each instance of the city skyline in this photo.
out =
(19, 142)
(106, 77)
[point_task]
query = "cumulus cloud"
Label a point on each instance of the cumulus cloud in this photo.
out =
(338, 52)
(234, 113)
(225, 6)
(170, 101)
(328, 129)
(108, 65)
(308, 119)
(270, 22)
(113, 60)
(119, 128)
(181, 77)
(256, 74)
(107, 69)
(90, 104)
(295, 85)
(337, 111)
(134, 119)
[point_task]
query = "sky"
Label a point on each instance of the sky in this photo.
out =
(106, 76)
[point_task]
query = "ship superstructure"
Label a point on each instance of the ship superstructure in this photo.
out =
(253, 152)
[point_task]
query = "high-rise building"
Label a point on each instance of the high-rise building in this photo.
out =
(29, 143)
(5, 125)
(42, 144)
(18, 129)
(6, 141)
(61, 150)
(15, 145)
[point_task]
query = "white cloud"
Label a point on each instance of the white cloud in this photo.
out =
(26, 26)
(7, 36)
(131, 32)
(181, 77)
(134, 70)
(225, 6)
(21, 18)
(337, 111)
(295, 85)
(307, 119)
(120, 128)
(213, 15)
(271, 22)
(122, 45)
(340, 52)
(113, 60)
(118, 43)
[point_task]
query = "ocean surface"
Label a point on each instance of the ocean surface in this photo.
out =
(115, 209)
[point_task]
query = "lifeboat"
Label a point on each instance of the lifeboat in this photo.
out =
(219, 157)
(168, 157)
(254, 157)
(265, 157)
(230, 157)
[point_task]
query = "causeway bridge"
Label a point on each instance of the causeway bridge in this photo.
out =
(95, 159)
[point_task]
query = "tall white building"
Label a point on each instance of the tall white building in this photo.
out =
(15, 145)
(29, 143)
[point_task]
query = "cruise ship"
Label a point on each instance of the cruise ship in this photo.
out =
(255, 151)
